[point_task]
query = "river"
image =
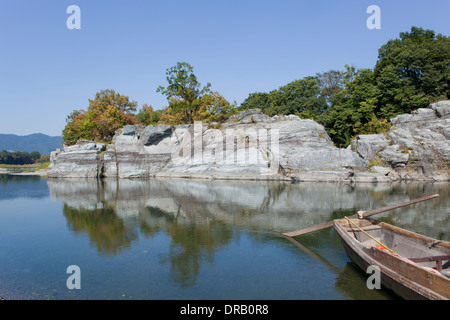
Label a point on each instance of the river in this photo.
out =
(192, 239)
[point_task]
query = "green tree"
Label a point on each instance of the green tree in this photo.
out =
(184, 92)
(19, 157)
(147, 116)
(413, 71)
(5, 157)
(35, 156)
(331, 84)
(356, 111)
(410, 72)
(302, 97)
(259, 100)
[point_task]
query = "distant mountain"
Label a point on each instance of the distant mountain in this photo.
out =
(42, 143)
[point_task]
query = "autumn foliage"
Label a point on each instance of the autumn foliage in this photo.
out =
(110, 111)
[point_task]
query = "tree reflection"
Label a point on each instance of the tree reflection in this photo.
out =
(151, 220)
(105, 229)
(199, 218)
(193, 244)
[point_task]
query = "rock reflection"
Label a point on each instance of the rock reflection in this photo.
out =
(201, 217)
(158, 205)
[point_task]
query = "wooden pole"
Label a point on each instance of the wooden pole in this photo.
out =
(314, 255)
(363, 215)
(350, 221)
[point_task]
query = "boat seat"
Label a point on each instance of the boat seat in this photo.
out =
(437, 259)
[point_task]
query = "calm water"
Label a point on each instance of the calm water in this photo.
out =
(180, 239)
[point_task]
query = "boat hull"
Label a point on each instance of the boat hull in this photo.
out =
(398, 273)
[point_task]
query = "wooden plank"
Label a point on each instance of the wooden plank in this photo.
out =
(438, 260)
(364, 215)
(432, 258)
(309, 230)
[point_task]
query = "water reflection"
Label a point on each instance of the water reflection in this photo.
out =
(201, 217)
(175, 205)
(193, 244)
(105, 229)
(17, 186)
(176, 239)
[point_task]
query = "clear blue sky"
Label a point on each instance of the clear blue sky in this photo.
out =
(239, 46)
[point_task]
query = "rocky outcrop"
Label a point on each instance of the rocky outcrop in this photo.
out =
(82, 160)
(250, 145)
(140, 151)
(417, 146)
(254, 146)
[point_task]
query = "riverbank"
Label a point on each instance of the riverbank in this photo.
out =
(28, 169)
(41, 173)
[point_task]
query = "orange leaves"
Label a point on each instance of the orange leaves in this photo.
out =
(108, 112)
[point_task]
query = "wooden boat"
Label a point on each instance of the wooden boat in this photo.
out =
(410, 264)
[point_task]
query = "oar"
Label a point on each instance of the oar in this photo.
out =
(314, 255)
(361, 216)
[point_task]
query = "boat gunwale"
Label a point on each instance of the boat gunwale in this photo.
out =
(368, 256)
(375, 224)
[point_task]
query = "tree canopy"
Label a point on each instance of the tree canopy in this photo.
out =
(21, 157)
(410, 72)
(107, 112)
(110, 111)
(189, 99)
(302, 97)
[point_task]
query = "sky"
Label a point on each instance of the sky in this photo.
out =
(47, 70)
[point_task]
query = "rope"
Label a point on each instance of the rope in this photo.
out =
(372, 237)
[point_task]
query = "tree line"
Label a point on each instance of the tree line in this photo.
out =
(21, 157)
(410, 72)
